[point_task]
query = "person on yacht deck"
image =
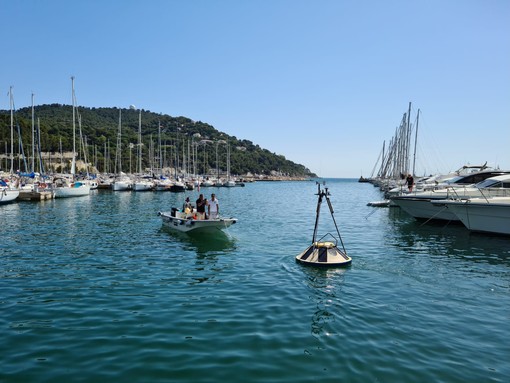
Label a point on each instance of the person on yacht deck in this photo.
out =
(410, 182)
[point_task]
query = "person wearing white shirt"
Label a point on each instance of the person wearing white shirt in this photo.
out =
(213, 207)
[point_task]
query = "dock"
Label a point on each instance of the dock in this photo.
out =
(36, 195)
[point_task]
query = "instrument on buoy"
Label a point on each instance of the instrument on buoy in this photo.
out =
(322, 252)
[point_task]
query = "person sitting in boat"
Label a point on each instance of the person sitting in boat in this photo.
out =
(187, 207)
(201, 204)
(213, 207)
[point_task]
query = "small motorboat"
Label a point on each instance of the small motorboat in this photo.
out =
(322, 252)
(189, 222)
(383, 203)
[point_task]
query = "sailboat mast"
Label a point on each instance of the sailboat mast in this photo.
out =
(11, 101)
(33, 135)
(118, 163)
(61, 155)
(140, 141)
(159, 145)
(41, 165)
(408, 137)
(415, 140)
(73, 164)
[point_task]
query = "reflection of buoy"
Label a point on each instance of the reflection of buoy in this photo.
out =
(322, 252)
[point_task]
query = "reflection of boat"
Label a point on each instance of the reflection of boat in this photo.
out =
(450, 243)
(205, 243)
(188, 223)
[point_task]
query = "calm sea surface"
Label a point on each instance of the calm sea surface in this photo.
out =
(93, 289)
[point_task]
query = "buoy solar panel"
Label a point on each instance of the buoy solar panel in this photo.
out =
(324, 254)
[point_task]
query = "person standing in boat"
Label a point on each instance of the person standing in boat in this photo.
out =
(410, 182)
(201, 204)
(213, 208)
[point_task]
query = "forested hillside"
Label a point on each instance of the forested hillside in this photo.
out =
(166, 140)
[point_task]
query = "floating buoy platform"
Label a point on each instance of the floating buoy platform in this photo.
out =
(325, 251)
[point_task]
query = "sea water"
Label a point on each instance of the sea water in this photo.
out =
(95, 289)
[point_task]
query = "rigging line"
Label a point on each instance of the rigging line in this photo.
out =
(440, 211)
(372, 212)
(21, 150)
(334, 221)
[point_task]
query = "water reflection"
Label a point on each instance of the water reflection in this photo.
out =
(446, 239)
(325, 285)
(203, 243)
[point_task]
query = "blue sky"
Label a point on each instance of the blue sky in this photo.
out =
(321, 82)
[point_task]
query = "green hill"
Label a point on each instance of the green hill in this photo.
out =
(161, 134)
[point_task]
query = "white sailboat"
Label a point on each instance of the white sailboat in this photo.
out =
(141, 183)
(122, 182)
(8, 192)
(229, 182)
(69, 188)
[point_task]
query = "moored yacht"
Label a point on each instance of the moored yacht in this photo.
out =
(7, 193)
(420, 204)
(490, 215)
(122, 183)
(143, 185)
(65, 188)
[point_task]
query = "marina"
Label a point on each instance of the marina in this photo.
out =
(100, 288)
(255, 192)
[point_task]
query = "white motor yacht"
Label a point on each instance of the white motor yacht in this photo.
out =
(490, 215)
(420, 204)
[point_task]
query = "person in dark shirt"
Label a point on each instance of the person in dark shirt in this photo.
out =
(201, 204)
(410, 182)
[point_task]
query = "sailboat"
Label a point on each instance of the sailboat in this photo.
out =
(229, 182)
(8, 193)
(122, 181)
(66, 186)
(141, 183)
